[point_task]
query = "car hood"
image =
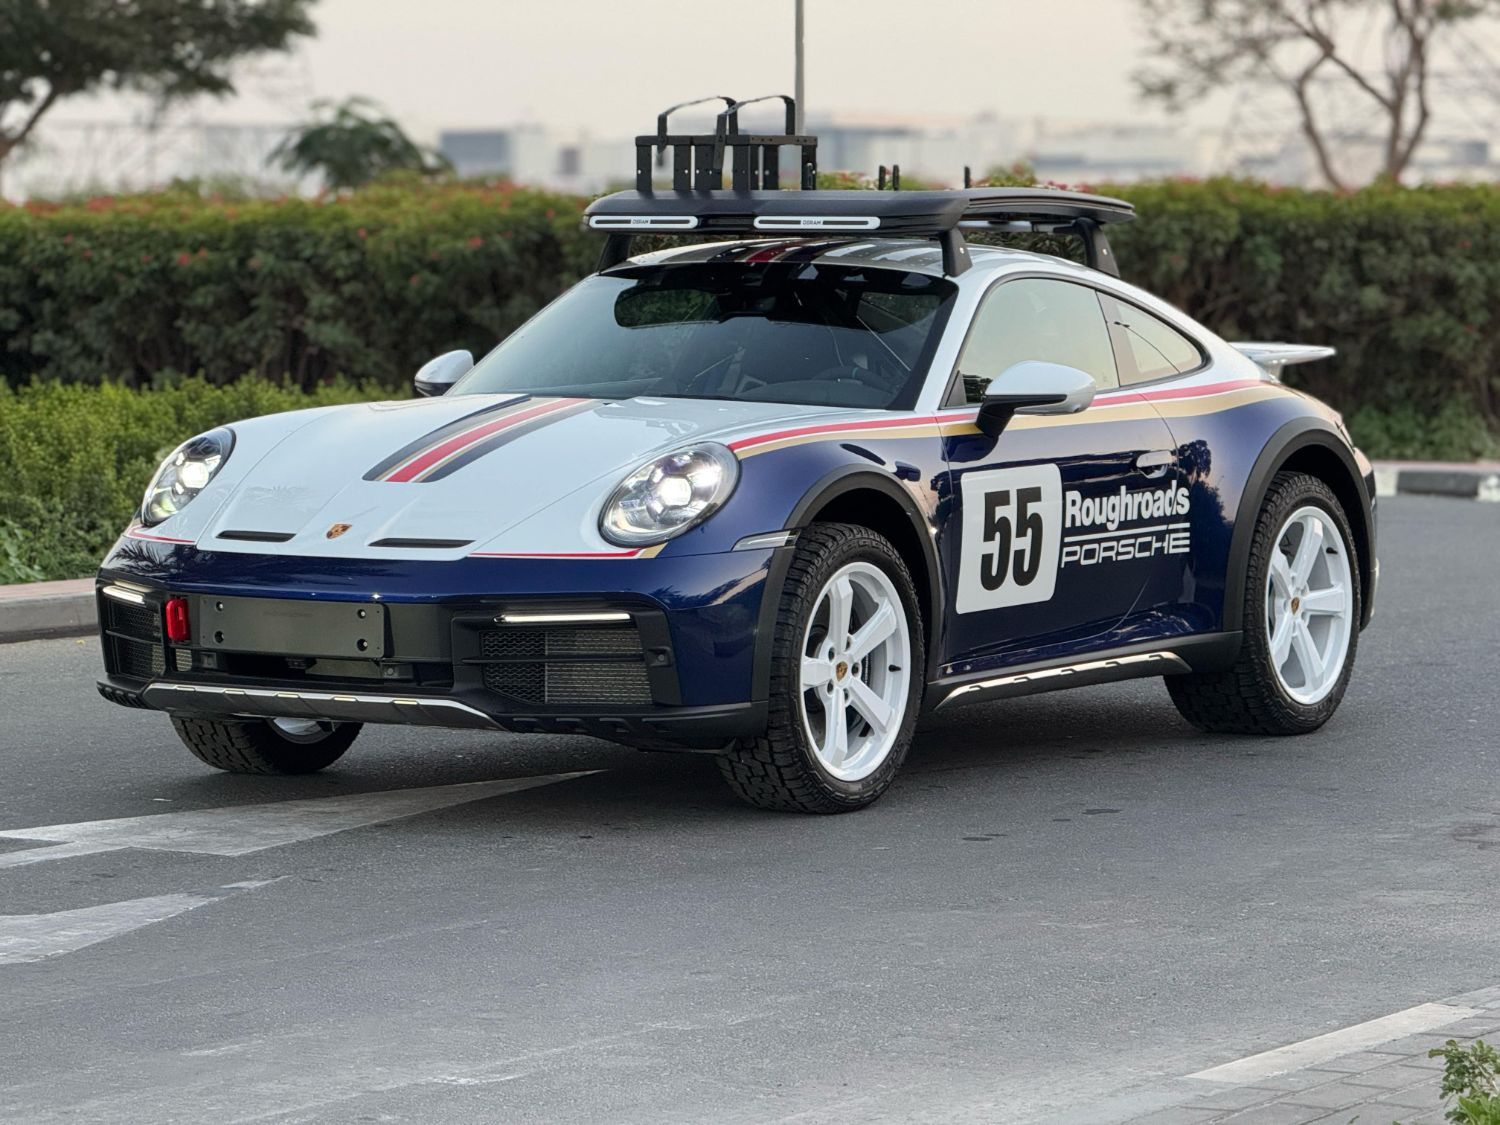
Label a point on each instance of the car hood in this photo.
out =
(447, 477)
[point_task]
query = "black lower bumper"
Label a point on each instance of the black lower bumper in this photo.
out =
(606, 670)
(661, 728)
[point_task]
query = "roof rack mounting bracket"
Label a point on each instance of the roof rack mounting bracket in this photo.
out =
(1097, 253)
(955, 251)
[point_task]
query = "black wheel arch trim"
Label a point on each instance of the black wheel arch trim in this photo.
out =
(840, 482)
(1291, 438)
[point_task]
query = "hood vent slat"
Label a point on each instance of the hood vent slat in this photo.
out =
(435, 544)
(257, 536)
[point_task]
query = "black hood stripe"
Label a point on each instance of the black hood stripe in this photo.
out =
(442, 433)
(505, 437)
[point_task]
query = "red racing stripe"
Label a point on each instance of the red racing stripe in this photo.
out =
(832, 428)
(440, 452)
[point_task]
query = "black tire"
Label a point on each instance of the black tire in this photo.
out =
(258, 746)
(781, 771)
(1248, 698)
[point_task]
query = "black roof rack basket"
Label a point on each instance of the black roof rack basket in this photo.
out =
(698, 158)
(755, 204)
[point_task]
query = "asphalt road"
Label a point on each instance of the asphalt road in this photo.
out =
(1063, 897)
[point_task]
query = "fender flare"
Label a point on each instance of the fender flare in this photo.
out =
(1293, 436)
(839, 482)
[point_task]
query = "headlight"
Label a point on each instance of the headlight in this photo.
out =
(667, 496)
(184, 474)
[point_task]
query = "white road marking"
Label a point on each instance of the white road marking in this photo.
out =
(243, 829)
(33, 937)
(1321, 1048)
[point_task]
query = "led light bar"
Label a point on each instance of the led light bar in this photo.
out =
(560, 618)
(816, 222)
(643, 222)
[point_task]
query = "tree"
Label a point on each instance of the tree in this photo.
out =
(1203, 45)
(352, 145)
(169, 49)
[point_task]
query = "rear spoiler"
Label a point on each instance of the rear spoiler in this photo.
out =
(1273, 357)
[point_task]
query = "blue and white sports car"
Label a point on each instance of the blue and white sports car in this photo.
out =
(770, 498)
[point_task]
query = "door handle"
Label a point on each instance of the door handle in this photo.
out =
(1154, 462)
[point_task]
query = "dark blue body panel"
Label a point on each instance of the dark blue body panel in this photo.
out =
(712, 601)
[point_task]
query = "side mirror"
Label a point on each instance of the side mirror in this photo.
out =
(437, 375)
(1034, 386)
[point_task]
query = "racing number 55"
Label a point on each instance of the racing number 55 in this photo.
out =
(1012, 519)
(993, 568)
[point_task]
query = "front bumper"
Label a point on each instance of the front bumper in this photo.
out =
(670, 663)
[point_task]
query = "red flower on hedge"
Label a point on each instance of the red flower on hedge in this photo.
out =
(362, 233)
(145, 259)
(184, 258)
(476, 242)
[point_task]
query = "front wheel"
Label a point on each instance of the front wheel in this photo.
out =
(266, 746)
(1302, 599)
(847, 669)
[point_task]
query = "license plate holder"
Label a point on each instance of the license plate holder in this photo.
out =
(291, 627)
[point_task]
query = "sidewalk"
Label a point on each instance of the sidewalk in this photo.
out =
(1370, 1074)
(64, 609)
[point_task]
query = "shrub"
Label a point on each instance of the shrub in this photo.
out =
(368, 286)
(1404, 282)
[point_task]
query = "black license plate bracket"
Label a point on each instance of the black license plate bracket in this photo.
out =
(290, 627)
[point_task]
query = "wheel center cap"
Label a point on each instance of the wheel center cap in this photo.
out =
(841, 669)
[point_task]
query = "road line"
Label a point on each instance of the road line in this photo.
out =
(242, 829)
(35, 937)
(1321, 1048)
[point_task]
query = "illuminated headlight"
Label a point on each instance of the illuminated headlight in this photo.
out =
(184, 474)
(668, 496)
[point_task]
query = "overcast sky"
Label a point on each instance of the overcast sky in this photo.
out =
(610, 65)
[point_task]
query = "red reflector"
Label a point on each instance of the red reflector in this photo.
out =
(178, 631)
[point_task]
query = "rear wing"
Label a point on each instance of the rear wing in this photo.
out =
(1273, 357)
(756, 204)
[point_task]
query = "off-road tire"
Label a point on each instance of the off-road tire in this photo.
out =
(780, 771)
(1248, 698)
(256, 746)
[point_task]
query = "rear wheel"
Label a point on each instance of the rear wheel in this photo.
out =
(1301, 615)
(846, 678)
(266, 746)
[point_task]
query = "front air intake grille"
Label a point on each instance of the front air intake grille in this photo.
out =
(135, 659)
(567, 665)
(140, 621)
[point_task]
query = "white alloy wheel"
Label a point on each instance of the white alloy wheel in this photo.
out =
(1309, 605)
(856, 671)
(301, 730)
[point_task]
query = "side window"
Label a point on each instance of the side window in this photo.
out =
(1146, 346)
(1036, 318)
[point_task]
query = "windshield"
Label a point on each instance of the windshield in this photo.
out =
(774, 332)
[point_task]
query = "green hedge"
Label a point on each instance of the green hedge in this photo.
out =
(369, 287)
(75, 459)
(1404, 282)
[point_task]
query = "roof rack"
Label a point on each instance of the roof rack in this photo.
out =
(698, 203)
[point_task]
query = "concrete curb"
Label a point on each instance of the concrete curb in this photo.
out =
(1479, 481)
(47, 609)
(66, 609)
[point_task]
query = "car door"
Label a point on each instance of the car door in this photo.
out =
(1051, 532)
(1151, 354)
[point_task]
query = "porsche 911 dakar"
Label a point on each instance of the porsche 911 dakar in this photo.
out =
(769, 494)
